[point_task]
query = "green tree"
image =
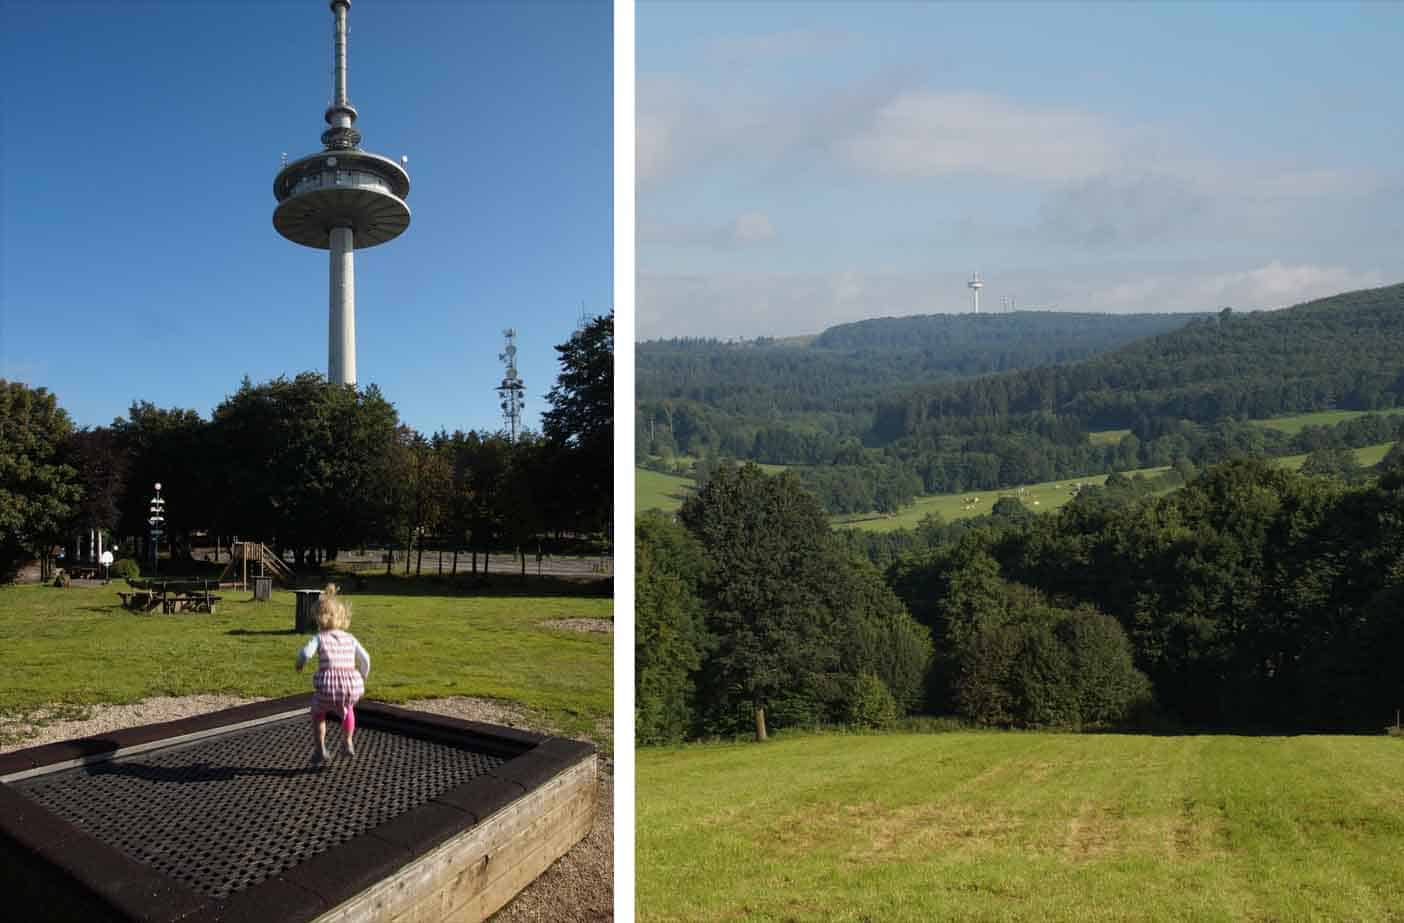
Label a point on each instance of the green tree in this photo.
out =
(770, 547)
(38, 491)
(581, 419)
(670, 636)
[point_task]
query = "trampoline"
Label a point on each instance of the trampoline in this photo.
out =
(224, 817)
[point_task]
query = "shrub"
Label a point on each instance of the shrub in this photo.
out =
(125, 567)
(870, 703)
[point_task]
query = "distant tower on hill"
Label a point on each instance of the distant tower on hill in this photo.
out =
(975, 285)
(340, 199)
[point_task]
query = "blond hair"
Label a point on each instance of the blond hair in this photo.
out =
(332, 613)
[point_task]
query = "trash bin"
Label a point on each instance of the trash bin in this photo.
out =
(263, 589)
(306, 619)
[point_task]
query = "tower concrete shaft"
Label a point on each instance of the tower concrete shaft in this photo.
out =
(341, 318)
(340, 200)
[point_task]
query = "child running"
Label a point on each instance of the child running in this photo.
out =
(342, 666)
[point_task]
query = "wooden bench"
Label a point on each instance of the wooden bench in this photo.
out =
(189, 602)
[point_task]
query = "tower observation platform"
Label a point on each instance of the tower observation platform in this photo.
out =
(341, 199)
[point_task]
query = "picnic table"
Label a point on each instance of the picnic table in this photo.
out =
(171, 596)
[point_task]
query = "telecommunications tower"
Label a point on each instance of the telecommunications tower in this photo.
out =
(511, 388)
(340, 199)
(975, 285)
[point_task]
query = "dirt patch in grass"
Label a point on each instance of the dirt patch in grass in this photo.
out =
(605, 626)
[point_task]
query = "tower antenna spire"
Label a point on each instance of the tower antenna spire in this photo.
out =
(341, 199)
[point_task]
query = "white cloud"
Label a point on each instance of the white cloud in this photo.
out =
(926, 134)
(745, 230)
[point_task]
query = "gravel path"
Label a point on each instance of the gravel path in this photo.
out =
(577, 888)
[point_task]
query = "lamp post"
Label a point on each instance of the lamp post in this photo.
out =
(157, 521)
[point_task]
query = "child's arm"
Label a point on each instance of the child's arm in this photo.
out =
(307, 651)
(362, 660)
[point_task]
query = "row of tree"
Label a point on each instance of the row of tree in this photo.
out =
(311, 468)
(1252, 598)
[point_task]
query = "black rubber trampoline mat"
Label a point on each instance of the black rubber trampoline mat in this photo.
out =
(226, 816)
(229, 811)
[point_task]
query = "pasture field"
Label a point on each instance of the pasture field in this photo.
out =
(1368, 456)
(1295, 424)
(1022, 826)
(1040, 498)
(655, 491)
(1108, 436)
(77, 646)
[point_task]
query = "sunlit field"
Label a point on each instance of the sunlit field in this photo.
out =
(1022, 826)
(1295, 424)
(77, 646)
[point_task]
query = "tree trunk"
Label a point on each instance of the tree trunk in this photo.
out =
(760, 723)
(454, 571)
(419, 559)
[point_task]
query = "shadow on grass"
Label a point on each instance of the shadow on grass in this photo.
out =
(466, 585)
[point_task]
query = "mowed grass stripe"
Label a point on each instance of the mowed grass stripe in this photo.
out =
(1008, 826)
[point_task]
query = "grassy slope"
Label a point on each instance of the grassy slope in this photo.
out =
(1295, 424)
(655, 491)
(79, 646)
(661, 491)
(1050, 496)
(1009, 826)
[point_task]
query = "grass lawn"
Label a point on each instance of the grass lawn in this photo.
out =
(1295, 424)
(1022, 826)
(78, 646)
(1041, 498)
(655, 491)
(1368, 456)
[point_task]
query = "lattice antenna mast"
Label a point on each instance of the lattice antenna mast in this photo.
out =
(510, 391)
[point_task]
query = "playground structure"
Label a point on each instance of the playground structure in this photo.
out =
(244, 555)
(222, 817)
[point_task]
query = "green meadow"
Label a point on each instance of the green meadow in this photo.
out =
(1296, 423)
(77, 647)
(1041, 498)
(666, 492)
(655, 491)
(1022, 826)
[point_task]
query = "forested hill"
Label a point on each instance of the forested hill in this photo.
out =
(1345, 352)
(847, 368)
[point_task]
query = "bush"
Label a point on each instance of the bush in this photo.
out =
(125, 567)
(870, 704)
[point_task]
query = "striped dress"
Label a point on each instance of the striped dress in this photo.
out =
(337, 683)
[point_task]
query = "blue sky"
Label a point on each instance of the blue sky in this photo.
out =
(138, 146)
(804, 164)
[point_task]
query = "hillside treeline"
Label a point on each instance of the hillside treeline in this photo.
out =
(1338, 352)
(310, 468)
(845, 367)
(1183, 394)
(1253, 598)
